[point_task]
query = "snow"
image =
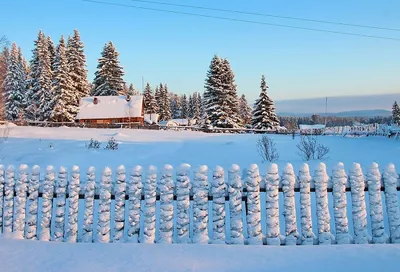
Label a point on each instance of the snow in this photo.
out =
(149, 209)
(90, 186)
(21, 188)
(183, 187)
(119, 208)
(73, 190)
(47, 204)
(200, 205)
(135, 187)
(61, 191)
(307, 127)
(32, 217)
(272, 196)
(166, 189)
(218, 190)
(110, 107)
(235, 205)
(103, 224)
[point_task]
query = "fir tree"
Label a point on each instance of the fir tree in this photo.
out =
(52, 52)
(396, 113)
(165, 107)
(14, 85)
(264, 116)
(108, 77)
(244, 110)
(196, 106)
(184, 107)
(190, 106)
(175, 105)
(4, 56)
(150, 105)
(157, 97)
(132, 90)
(125, 90)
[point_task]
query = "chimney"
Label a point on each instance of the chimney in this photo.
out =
(95, 101)
(128, 97)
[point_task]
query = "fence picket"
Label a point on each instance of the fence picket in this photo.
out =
(90, 189)
(390, 178)
(61, 192)
(119, 209)
(253, 218)
(200, 205)
(235, 205)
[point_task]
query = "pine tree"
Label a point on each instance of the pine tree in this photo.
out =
(165, 104)
(264, 116)
(132, 90)
(125, 90)
(150, 105)
(244, 110)
(63, 99)
(4, 56)
(157, 97)
(108, 77)
(184, 107)
(14, 85)
(190, 106)
(396, 113)
(196, 106)
(77, 67)
(175, 106)
(52, 52)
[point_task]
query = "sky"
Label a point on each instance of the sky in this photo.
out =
(177, 49)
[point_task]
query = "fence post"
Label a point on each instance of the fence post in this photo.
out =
(9, 200)
(47, 204)
(272, 205)
(183, 203)
(253, 217)
(200, 205)
(135, 195)
(73, 190)
(32, 218)
(340, 204)
(235, 205)
(218, 192)
(104, 217)
(166, 189)
(392, 204)
(21, 187)
(288, 184)
(321, 194)
(379, 236)
(119, 209)
(359, 210)
(90, 189)
(61, 191)
(307, 235)
(2, 180)
(150, 187)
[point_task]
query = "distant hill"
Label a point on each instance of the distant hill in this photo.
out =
(355, 113)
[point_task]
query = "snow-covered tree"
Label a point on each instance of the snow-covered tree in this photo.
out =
(200, 205)
(272, 199)
(379, 236)
(321, 179)
(396, 113)
(108, 77)
(190, 106)
(339, 182)
(119, 208)
(157, 96)
(61, 192)
(359, 210)
(184, 107)
(288, 184)
(135, 187)
(264, 116)
(47, 204)
(103, 224)
(244, 110)
(218, 192)
(2, 181)
(149, 209)
(166, 189)
(8, 212)
(175, 103)
(196, 106)
(21, 188)
(166, 103)
(150, 105)
(307, 235)
(90, 187)
(132, 90)
(52, 52)
(253, 217)
(390, 178)
(77, 67)
(63, 101)
(14, 85)
(235, 205)
(182, 203)
(4, 57)
(32, 217)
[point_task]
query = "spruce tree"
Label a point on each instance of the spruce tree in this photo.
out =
(196, 106)
(14, 85)
(132, 90)
(166, 104)
(175, 106)
(264, 116)
(184, 107)
(190, 106)
(63, 99)
(4, 56)
(396, 113)
(52, 52)
(244, 110)
(157, 97)
(150, 105)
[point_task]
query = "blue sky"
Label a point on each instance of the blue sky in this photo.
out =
(177, 49)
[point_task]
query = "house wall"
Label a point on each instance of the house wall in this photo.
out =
(114, 120)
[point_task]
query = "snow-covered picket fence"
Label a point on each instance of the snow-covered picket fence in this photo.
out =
(202, 205)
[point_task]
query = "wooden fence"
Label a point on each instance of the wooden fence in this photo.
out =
(160, 207)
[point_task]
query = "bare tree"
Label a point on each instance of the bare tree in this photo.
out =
(310, 149)
(267, 149)
(3, 42)
(322, 152)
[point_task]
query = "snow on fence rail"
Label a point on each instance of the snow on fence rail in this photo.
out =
(125, 210)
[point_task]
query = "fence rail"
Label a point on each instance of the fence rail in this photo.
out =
(48, 209)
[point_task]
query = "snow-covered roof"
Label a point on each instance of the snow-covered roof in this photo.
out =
(151, 118)
(312, 126)
(110, 107)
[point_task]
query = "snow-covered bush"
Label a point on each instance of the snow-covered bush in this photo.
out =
(119, 208)
(359, 210)
(2, 180)
(149, 209)
(321, 179)
(310, 149)
(390, 178)
(90, 189)
(288, 184)
(267, 149)
(182, 203)
(339, 180)
(166, 189)
(307, 235)
(47, 204)
(112, 144)
(235, 205)
(73, 191)
(218, 192)
(93, 144)
(21, 187)
(200, 205)
(135, 188)
(272, 195)
(61, 192)
(252, 183)
(379, 236)
(32, 217)
(103, 224)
